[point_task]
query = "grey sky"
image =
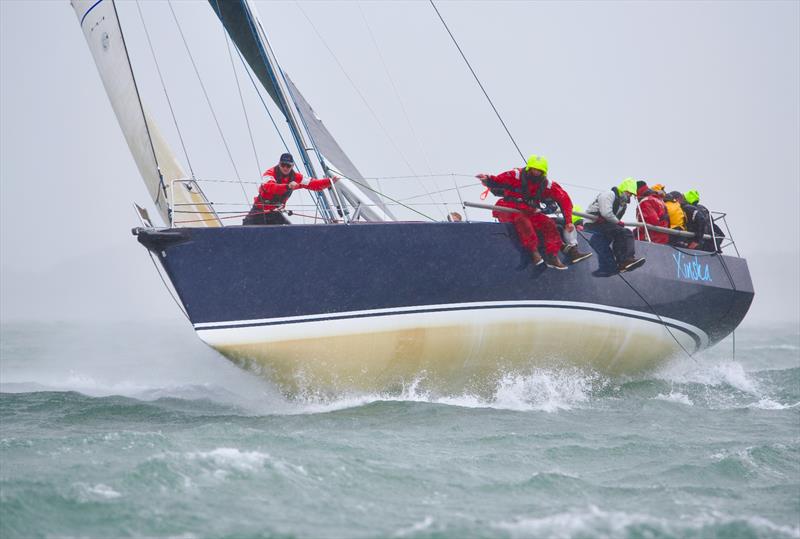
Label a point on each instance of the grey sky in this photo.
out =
(699, 95)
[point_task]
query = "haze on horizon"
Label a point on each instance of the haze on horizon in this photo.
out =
(694, 95)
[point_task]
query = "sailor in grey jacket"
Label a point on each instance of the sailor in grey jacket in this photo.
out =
(610, 205)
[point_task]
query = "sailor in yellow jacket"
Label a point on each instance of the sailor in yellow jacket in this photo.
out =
(677, 218)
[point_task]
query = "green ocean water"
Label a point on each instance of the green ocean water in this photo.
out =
(120, 430)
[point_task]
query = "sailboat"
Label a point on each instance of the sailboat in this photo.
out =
(452, 302)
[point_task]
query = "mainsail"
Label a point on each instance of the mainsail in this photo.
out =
(156, 162)
(239, 19)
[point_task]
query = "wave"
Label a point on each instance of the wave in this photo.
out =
(252, 399)
(791, 347)
(675, 396)
(537, 390)
(542, 390)
(720, 384)
(726, 384)
(718, 373)
(594, 522)
(230, 457)
(415, 528)
(769, 404)
(97, 492)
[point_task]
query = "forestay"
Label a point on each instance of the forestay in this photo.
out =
(162, 173)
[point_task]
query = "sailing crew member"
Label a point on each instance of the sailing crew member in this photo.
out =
(608, 209)
(653, 212)
(569, 235)
(576, 219)
(677, 219)
(524, 189)
(281, 182)
(698, 220)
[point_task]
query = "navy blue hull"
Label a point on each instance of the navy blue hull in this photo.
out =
(248, 275)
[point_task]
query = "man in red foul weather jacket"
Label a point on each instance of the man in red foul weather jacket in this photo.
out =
(523, 189)
(654, 212)
(281, 181)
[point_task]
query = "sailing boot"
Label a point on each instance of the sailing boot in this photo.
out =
(575, 255)
(552, 261)
(631, 264)
(537, 258)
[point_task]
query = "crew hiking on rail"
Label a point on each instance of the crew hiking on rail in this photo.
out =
(607, 211)
(525, 189)
(652, 211)
(281, 182)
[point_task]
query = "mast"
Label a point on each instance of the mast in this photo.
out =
(285, 102)
(243, 25)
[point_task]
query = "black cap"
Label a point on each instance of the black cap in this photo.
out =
(677, 196)
(287, 158)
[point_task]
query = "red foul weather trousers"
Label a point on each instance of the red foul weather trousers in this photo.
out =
(528, 223)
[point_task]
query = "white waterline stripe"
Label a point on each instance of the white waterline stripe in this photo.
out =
(460, 306)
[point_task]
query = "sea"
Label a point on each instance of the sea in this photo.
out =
(138, 430)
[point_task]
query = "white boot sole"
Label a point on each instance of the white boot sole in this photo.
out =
(584, 257)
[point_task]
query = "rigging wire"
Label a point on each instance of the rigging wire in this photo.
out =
(147, 224)
(440, 192)
(523, 158)
(267, 55)
(208, 100)
(477, 79)
(394, 86)
(355, 87)
(733, 285)
(161, 183)
(649, 306)
(338, 201)
(652, 309)
(367, 186)
(298, 205)
(676, 248)
(441, 175)
(361, 95)
(269, 113)
(261, 98)
(172, 295)
(730, 279)
(164, 87)
(239, 88)
(396, 91)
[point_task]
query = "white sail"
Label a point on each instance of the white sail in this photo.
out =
(190, 206)
(155, 160)
(354, 187)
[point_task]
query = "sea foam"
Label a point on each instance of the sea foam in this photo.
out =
(538, 390)
(595, 522)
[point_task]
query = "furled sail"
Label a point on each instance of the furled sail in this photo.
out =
(236, 18)
(155, 160)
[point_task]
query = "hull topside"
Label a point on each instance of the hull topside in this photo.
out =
(369, 304)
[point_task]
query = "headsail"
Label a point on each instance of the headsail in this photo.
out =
(156, 163)
(235, 17)
(328, 147)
